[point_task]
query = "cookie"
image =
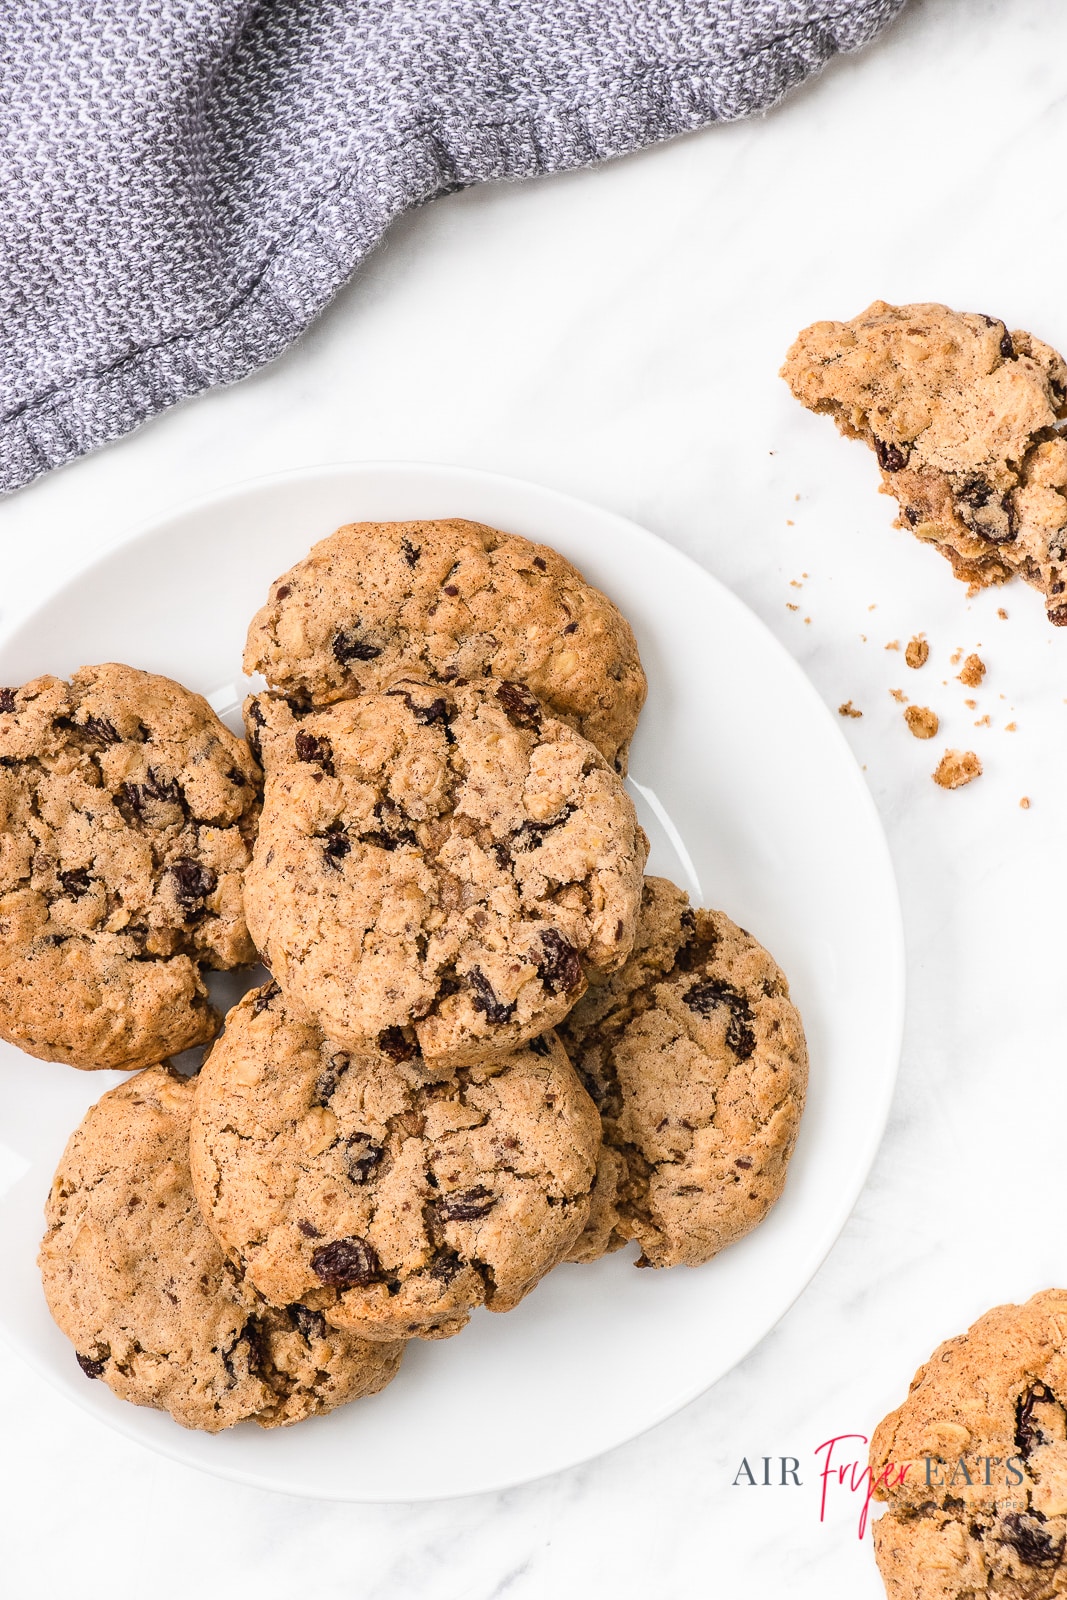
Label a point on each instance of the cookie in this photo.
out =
(390, 1204)
(966, 421)
(126, 817)
(137, 1283)
(696, 1058)
(439, 867)
(377, 601)
(974, 1463)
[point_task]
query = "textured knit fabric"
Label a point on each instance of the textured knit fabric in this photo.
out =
(185, 183)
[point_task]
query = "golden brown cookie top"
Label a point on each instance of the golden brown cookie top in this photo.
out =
(695, 1056)
(390, 1204)
(136, 1281)
(444, 863)
(966, 420)
(377, 601)
(974, 1462)
(126, 816)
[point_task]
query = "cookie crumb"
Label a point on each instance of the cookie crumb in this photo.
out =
(789, 522)
(894, 644)
(874, 607)
(790, 607)
(955, 658)
(983, 722)
(807, 619)
(1009, 727)
(794, 583)
(917, 652)
(956, 768)
(1003, 615)
(922, 722)
(973, 671)
(899, 696)
(1025, 802)
(848, 710)
(972, 705)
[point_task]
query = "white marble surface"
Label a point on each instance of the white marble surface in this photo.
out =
(617, 334)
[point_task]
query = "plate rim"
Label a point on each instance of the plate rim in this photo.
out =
(895, 984)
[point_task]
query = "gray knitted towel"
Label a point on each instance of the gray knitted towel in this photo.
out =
(185, 183)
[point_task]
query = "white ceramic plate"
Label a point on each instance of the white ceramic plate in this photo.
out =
(753, 802)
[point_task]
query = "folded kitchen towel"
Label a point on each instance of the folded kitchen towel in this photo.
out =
(184, 184)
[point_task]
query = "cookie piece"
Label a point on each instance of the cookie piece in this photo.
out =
(439, 867)
(377, 601)
(696, 1058)
(127, 812)
(137, 1283)
(974, 1463)
(966, 420)
(391, 1205)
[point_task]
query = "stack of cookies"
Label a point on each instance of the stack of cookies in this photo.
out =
(488, 1044)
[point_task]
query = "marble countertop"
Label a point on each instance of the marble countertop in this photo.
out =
(617, 334)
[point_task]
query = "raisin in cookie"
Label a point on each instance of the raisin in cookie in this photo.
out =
(137, 1283)
(440, 866)
(391, 1205)
(126, 817)
(379, 601)
(966, 419)
(974, 1463)
(695, 1056)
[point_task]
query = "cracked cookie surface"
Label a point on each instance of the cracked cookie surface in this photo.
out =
(974, 1463)
(695, 1056)
(127, 811)
(439, 866)
(377, 601)
(136, 1281)
(966, 419)
(390, 1204)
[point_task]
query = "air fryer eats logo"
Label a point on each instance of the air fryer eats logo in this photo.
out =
(840, 1468)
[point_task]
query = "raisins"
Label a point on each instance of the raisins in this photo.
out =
(706, 996)
(520, 707)
(436, 711)
(308, 1229)
(193, 883)
(1033, 1546)
(320, 751)
(412, 552)
(102, 731)
(336, 847)
(7, 700)
(90, 1366)
(1028, 1430)
(465, 1205)
(540, 1046)
(348, 646)
(891, 457)
(446, 1266)
(307, 1323)
(484, 998)
(362, 1155)
(559, 968)
(346, 1263)
(1007, 348)
(395, 1043)
(75, 882)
